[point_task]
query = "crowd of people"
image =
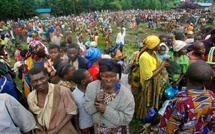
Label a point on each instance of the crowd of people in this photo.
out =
(69, 86)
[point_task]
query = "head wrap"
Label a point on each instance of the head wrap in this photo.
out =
(150, 42)
(108, 65)
(178, 45)
(92, 55)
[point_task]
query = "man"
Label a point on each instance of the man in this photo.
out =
(209, 42)
(191, 111)
(84, 121)
(52, 105)
(15, 119)
(121, 38)
(75, 58)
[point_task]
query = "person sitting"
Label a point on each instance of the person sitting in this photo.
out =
(53, 105)
(192, 110)
(109, 103)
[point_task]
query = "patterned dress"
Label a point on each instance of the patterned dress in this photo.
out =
(191, 111)
(103, 130)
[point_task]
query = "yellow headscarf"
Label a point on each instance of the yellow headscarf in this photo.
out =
(150, 42)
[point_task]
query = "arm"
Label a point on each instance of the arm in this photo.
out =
(90, 98)
(76, 117)
(21, 117)
(119, 117)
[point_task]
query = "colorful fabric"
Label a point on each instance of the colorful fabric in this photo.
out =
(94, 70)
(190, 112)
(152, 88)
(92, 54)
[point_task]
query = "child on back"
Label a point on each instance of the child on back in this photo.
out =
(17, 55)
(162, 52)
(198, 52)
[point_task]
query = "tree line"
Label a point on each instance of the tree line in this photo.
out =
(12, 9)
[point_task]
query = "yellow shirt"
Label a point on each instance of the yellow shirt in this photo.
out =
(147, 65)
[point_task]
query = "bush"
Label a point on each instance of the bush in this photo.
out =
(115, 5)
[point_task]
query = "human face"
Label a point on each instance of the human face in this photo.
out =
(69, 74)
(39, 81)
(72, 53)
(108, 79)
(183, 51)
(201, 50)
(197, 38)
(54, 54)
(88, 78)
(19, 47)
(164, 40)
(162, 50)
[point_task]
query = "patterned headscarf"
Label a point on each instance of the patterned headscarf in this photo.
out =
(36, 48)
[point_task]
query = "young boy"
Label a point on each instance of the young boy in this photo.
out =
(54, 52)
(84, 122)
(198, 52)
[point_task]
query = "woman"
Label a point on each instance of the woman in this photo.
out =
(153, 77)
(65, 72)
(110, 104)
(179, 63)
(93, 55)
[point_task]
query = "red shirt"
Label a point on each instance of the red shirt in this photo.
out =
(94, 70)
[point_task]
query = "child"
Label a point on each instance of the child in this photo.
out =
(162, 52)
(54, 52)
(198, 52)
(82, 78)
(17, 55)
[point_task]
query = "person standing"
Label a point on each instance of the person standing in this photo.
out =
(192, 110)
(15, 119)
(52, 105)
(84, 122)
(109, 103)
(120, 39)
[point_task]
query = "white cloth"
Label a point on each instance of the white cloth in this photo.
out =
(121, 37)
(56, 40)
(85, 120)
(14, 118)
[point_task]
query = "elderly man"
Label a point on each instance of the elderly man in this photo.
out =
(52, 105)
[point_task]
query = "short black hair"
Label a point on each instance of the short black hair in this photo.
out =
(204, 73)
(54, 47)
(72, 45)
(37, 70)
(63, 44)
(17, 44)
(57, 63)
(78, 76)
(162, 36)
(179, 36)
(23, 52)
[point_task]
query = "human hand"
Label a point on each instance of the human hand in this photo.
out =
(99, 97)
(100, 107)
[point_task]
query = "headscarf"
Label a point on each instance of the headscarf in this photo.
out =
(150, 42)
(108, 65)
(178, 45)
(34, 47)
(92, 54)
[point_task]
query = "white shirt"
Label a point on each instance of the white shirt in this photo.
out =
(14, 118)
(85, 120)
(56, 40)
(121, 37)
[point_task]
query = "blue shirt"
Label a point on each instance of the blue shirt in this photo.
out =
(85, 120)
